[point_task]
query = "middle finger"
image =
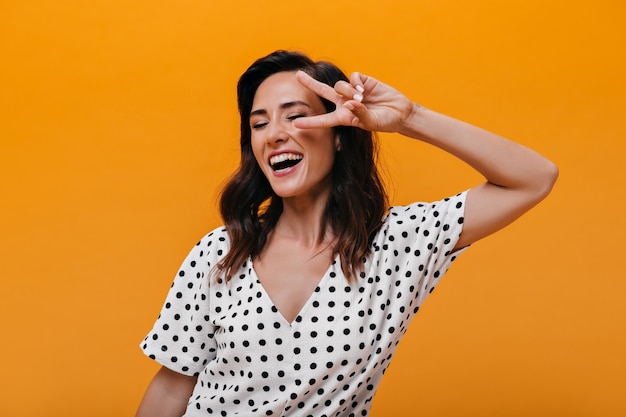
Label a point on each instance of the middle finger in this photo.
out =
(319, 88)
(348, 91)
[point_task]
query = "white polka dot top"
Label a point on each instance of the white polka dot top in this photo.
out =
(329, 361)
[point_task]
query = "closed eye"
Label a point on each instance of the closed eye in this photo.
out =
(296, 116)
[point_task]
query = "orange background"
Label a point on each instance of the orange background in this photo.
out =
(118, 127)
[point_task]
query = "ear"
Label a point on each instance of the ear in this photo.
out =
(337, 143)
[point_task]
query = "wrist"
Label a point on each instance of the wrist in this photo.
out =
(411, 124)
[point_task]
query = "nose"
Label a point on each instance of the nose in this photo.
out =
(277, 133)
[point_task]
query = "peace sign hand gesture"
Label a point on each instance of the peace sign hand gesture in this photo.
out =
(364, 102)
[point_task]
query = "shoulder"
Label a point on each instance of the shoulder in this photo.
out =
(217, 238)
(421, 212)
(427, 224)
(210, 248)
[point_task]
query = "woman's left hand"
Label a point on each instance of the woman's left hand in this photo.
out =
(363, 102)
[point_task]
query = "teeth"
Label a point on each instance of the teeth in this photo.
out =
(284, 157)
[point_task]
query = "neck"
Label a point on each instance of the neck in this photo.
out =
(301, 220)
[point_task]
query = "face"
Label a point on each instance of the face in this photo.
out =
(297, 162)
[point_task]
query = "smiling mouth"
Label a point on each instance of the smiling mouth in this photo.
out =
(285, 161)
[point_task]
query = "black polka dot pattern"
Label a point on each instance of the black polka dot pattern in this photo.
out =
(327, 362)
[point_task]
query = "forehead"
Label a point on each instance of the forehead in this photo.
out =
(283, 87)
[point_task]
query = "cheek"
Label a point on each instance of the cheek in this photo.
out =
(327, 146)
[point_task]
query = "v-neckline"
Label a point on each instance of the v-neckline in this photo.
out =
(309, 300)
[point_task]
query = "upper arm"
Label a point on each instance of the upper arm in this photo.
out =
(167, 395)
(187, 310)
(175, 382)
(489, 208)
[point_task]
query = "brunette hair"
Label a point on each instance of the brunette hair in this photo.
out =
(357, 202)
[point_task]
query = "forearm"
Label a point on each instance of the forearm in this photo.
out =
(167, 395)
(502, 162)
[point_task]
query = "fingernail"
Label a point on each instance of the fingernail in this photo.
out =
(358, 97)
(360, 89)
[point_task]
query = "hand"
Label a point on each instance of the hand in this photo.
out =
(364, 102)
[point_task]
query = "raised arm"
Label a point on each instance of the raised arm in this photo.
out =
(517, 178)
(167, 395)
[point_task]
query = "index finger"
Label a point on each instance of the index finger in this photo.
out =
(319, 88)
(320, 121)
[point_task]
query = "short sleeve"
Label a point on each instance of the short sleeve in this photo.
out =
(182, 338)
(421, 238)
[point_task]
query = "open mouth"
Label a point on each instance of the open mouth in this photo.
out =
(285, 161)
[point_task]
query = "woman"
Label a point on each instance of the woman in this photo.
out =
(295, 306)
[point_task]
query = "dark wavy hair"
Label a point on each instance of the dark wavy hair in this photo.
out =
(357, 202)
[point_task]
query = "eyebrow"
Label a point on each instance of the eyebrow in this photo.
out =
(283, 106)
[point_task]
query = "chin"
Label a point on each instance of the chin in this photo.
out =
(285, 194)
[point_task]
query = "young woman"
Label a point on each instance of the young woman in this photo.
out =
(295, 307)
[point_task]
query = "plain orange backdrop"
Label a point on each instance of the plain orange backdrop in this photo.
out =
(118, 126)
